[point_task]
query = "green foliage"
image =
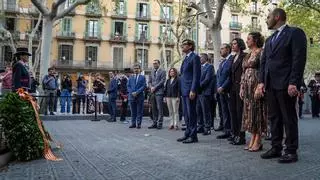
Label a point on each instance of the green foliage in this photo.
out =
(20, 127)
(313, 63)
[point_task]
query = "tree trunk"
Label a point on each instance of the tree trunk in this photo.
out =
(46, 46)
(216, 38)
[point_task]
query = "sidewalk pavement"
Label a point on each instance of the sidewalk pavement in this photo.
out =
(103, 150)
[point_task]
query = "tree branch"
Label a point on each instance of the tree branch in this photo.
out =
(70, 8)
(41, 7)
(218, 15)
(202, 18)
(58, 3)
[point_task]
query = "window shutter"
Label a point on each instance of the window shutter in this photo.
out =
(171, 13)
(124, 28)
(99, 26)
(71, 52)
(113, 28)
(60, 52)
(137, 10)
(62, 25)
(137, 31)
(148, 33)
(125, 7)
(148, 10)
(87, 28)
(161, 12)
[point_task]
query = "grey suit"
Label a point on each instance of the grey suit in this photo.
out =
(157, 80)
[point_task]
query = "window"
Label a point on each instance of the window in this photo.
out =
(6, 54)
(118, 57)
(142, 10)
(254, 21)
(118, 28)
(234, 35)
(142, 56)
(91, 54)
(234, 18)
(68, 3)
(121, 7)
(66, 25)
(142, 31)
(254, 6)
(166, 13)
(10, 5)
(65, 52)
(92, 28)
(168, 57)
(10, 24)
(165, 31)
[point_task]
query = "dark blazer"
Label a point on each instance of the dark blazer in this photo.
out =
(190, 74)
(20, 76)
(206, 79)
(138, 87)
(172, 89)
(157, 80)
(223, 74)
(236, 72)
(283, 61)
(113, 88)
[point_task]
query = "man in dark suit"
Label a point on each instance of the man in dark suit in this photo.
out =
(223, 85)
(204, 99)
(236, 104)
(156, 84)
(113, 92)
(314, 86)
(282, 65)
(20, 71)
(190, 82)
(136, 87)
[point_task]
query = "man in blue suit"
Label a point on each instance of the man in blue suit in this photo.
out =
(190, 82)
(136, 87)
(282, 66)
(205, 95)
(112, 92)
(223, 85)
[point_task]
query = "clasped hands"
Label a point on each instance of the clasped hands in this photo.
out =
(260, 90)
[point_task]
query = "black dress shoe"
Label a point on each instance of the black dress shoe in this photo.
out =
(220, 128)
(190, 140)
(231, 138)
(182, 139)
(132, 126)
(159, 127)
(238, 141)
(153, 126)
(272, 153)
(288, 158)
(183, 128)
(224, 136)
(139, 127)
(207, 132)
(200, 130)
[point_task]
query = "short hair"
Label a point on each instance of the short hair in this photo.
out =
(240, 43)
(227, 46)
(257, 38)
(281, 13)
(190, 43)
(50, 68)
(137, 65)
(205, 55)
(157, 60)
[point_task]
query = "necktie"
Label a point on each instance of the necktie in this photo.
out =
(136, 79)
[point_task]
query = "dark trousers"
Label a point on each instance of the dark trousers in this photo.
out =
(224, 101)
(190, 116)
(220, 110)
(113, 109)
(204, 112)
(123, 110)
(283, 113)
(213, 102)
(300, 102)
(315, 103)
(136, 107)
(157, 109)
(236, 109)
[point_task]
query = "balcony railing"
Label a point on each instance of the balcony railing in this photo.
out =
(36, 37)
(142, 40)
(90, 64)
(118, 38)
(66, 35)
(92, 36)
(255, 11)
(234, 7)
(235, 26)
(169, 19)
(65, 63)
(168, 41)
(141, 17)
(119, 14)
(93, 11)
(255, 28)
(11, 7)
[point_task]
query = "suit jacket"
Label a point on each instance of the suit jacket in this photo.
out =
(190, 74)
(136, 86)
(113, 89)
(223, 74)
(172, 89)
(206, 79)
(236, 72)
(157, 80)
(20, 76)
(283, 61)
